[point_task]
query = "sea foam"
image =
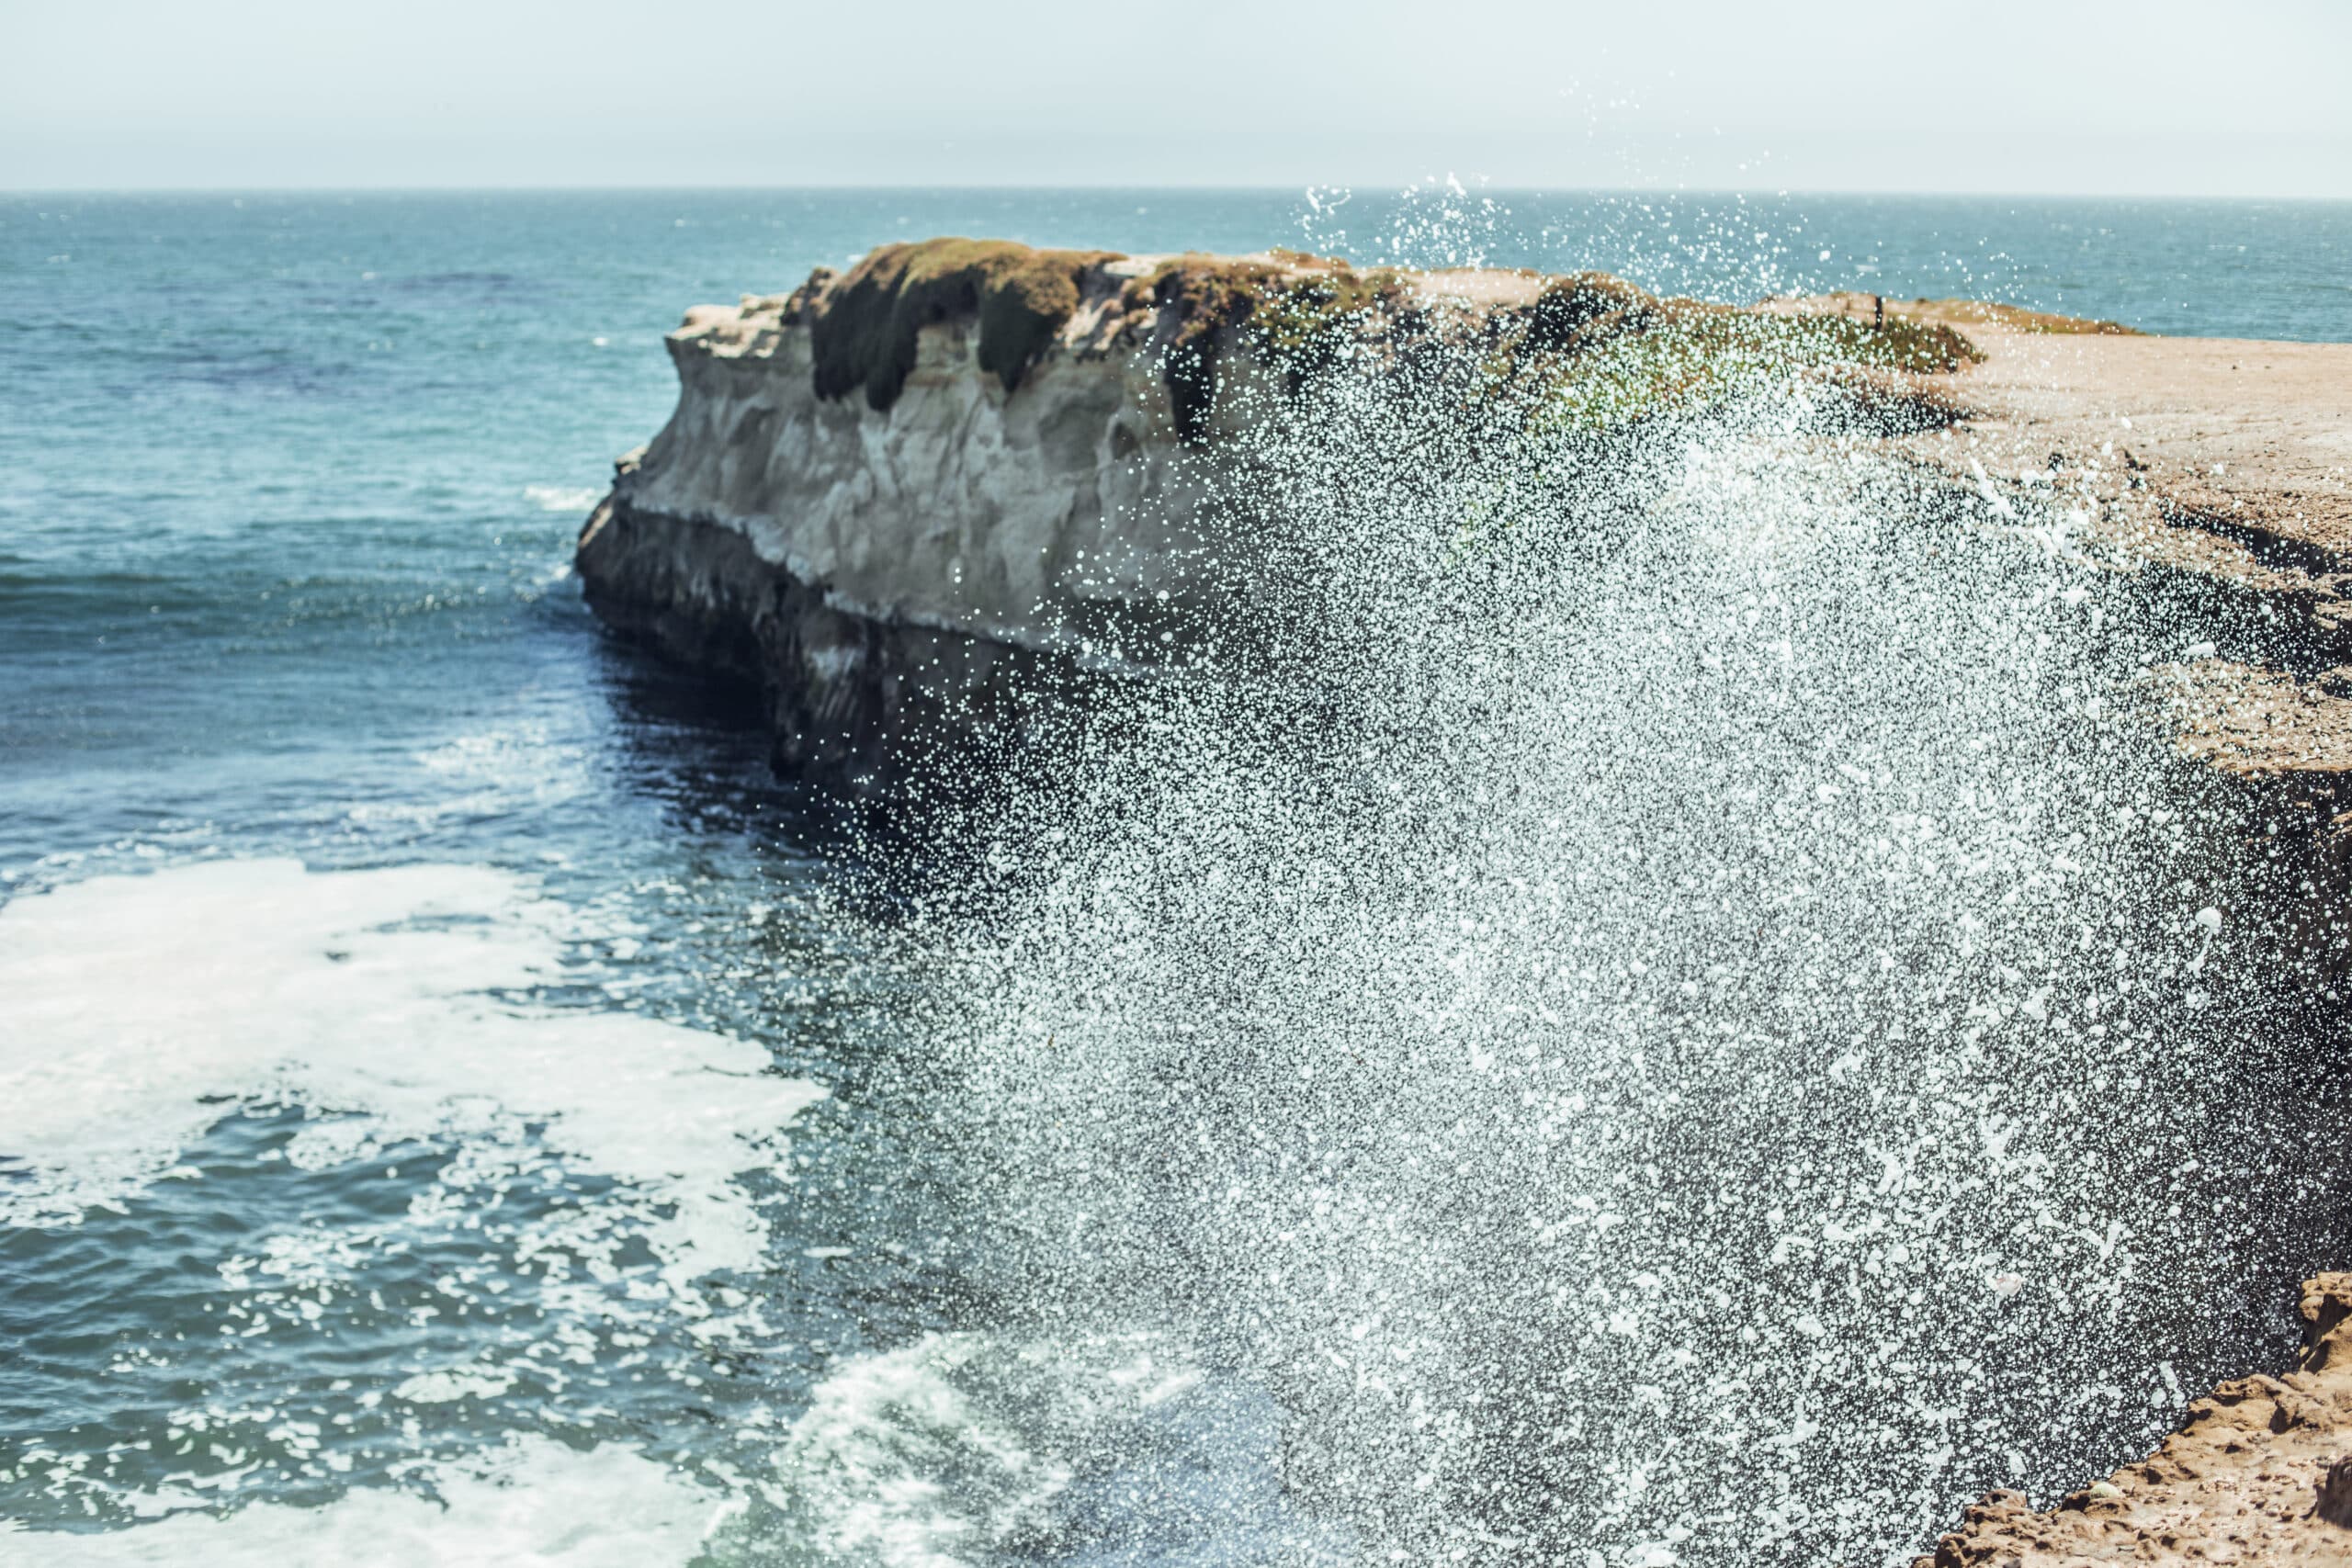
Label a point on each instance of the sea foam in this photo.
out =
(533, 1501)
(561, 498)
(1083, 1448)
(141, 1007)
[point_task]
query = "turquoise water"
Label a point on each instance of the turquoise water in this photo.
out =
(349, 874)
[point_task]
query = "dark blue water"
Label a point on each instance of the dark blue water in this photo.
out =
(287, 488)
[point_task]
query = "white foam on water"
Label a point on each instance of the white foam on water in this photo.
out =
(562, 498)
(534, 1501)
(869, 1462)
(1087, 1449)
(442, 1388)
(137, 1004)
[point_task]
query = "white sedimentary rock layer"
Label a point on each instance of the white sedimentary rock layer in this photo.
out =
(961, 507)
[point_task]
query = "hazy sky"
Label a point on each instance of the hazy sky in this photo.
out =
(2159, 96)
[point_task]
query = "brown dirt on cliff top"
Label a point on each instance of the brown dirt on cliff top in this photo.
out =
(2223, 457)
(1584, 349)
(2244, 1481)
(1952, 312)
(2225, 434)
(2255, 722)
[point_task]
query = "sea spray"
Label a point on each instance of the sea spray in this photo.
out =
(1652, 987)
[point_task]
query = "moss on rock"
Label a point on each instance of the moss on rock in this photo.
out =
(867, 333)
(1592, 351)
(1196, 296)
(1588, 350)
(1586, 305)
(1297, 310)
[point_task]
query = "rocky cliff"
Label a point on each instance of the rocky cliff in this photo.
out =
(909, 553)
(923, 501)
(2258, 1473)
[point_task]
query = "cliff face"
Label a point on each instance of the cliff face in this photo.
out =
(960, 507)
(884, 571)
(918, 499)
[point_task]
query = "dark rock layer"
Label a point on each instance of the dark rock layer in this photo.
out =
(861, 705)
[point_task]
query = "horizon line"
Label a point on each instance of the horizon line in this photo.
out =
(1298, 189)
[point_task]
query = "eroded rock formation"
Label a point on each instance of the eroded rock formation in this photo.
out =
(921, 499)
(888, 572)
(2258, 1475)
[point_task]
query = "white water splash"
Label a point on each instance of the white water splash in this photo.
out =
(1583, 988)
(969, 1447)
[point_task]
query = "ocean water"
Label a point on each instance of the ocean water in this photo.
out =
(456, 1107)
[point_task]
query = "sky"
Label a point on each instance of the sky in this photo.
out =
(2155, 97)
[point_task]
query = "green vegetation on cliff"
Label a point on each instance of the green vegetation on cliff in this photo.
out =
(1594, 352)
(1298, 310)
(1585, 351)
(865, 336)
(2018, 318)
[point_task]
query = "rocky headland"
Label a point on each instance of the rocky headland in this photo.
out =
(916, 500)
(924, 502)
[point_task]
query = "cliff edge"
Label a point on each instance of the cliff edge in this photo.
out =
(925, 500)
(2259, 1472)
